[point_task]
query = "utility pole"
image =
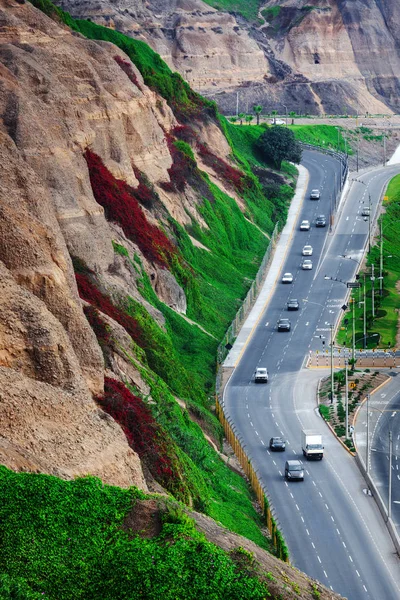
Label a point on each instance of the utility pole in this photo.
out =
(367, 456)
(390, 475)
(373, 290)
(237, 103)
(384, 148)
(358, 138)
(365, 318)
(381, 265)
(347, 400)
(332, 383)
(354, 335)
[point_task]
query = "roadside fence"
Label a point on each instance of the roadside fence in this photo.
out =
(238, 447)
(247, 303)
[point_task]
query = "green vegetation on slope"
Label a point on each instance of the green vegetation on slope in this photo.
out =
(220, 275)
(326, 136)
(247, 8)
(66, 540)
(381, 330)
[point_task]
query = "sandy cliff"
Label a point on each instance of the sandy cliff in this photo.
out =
(332, 56)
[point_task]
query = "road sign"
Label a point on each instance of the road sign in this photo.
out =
(353, 284)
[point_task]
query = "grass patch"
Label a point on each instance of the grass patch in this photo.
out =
(381, 330)
(64, 540)
(247, 8)
(326, 136)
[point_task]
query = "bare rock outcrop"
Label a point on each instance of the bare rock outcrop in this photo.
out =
(61, 94)
(206, 46)
(331, 57)
(46, 429)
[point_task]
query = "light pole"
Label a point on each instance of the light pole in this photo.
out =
(373, 290)
(331, 345)
(347, 399)
(338, 134)
(332, 382)
(285, 107)
(367, 465)
(390, 475)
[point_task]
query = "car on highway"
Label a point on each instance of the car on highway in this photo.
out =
(366, 212)
(307, 250)
(293, 304)
(277, 443)
(284, 325)
(305, 225)
(320, 221)
(294, 470)
(261, 375)
(306, 265)
(287, 278)
(315, 195)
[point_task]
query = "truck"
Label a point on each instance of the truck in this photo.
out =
(261, 375)
(311, 443)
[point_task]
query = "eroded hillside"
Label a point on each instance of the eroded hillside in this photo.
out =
(328, 57)
(130, 231)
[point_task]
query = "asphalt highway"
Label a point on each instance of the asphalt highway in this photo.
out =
(383, 422)
(333, 531)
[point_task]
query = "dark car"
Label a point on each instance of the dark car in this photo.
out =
(277, 443)
(283, 325)
(294, 470)
(293, 304)
(320, 221)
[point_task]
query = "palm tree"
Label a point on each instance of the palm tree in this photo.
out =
(292, 115)
(257, 109)
(249, 119)
(241, 117)
(274, 113)
(233, 119)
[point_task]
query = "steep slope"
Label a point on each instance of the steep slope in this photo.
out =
(331, 56)
(129, 235)
(122, 260)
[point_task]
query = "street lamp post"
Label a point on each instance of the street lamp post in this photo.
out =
(367, 455)
(373, 290)
(332, 382)
(347, 399)
(285, 107)
(354, 335)
(390, 475)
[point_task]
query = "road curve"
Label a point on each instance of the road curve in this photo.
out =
(334, 532)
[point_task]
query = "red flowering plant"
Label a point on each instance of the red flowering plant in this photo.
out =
(88, 291)
(121, 205)
(233, 176)
(127, 68)
(145, 436)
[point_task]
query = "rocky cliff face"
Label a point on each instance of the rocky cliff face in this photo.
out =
(59, 95)
(333, 56)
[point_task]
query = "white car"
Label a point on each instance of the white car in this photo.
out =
(307, 250)
(287, 278)
(305, 225)
(306, 265)
(315, 195)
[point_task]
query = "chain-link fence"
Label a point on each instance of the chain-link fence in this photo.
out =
(247, 303)
(238, 446)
